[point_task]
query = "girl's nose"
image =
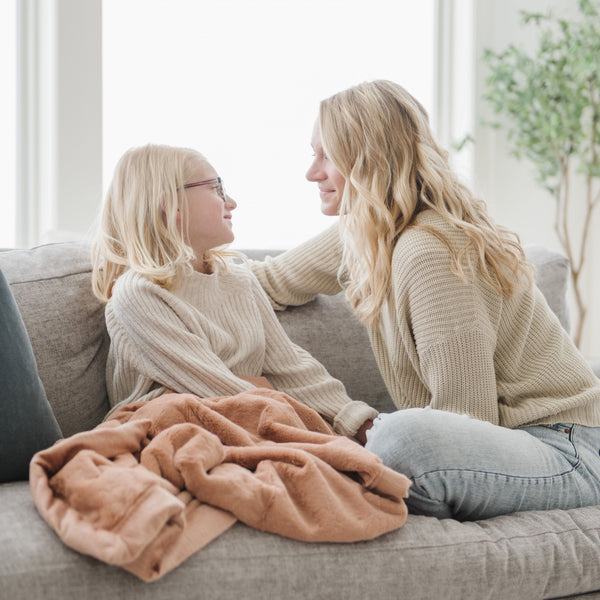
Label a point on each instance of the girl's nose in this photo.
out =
(230, 203)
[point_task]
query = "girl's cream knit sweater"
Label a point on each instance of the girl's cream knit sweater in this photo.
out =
(205, 335)
(448, 344)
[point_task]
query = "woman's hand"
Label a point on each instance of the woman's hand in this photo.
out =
(361, 434)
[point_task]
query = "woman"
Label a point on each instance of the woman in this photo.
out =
(180, 314)
(498, 412)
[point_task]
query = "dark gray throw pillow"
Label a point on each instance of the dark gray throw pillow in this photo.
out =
(27, 423)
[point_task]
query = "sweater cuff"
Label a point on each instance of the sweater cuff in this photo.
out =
(351, 416)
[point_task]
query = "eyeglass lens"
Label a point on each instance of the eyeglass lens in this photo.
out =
(221, 190)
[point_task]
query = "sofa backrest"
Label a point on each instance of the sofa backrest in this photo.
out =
(65, 322)
(52, 286)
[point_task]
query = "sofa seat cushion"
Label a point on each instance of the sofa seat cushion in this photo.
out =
(526, 555)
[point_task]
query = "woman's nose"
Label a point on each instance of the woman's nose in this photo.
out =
(230, 203)
(314, 173)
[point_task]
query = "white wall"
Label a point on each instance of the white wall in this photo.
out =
(508, 186)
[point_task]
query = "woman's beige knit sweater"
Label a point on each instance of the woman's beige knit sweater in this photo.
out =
(448, 344)
(205, 335)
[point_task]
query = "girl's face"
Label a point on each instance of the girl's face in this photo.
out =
(330, 181)
(208, 214)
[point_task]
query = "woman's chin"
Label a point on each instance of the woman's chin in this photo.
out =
(330, 209)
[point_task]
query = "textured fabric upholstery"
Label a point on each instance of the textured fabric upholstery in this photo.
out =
(65, 322)
(526, 555)
(552, 277)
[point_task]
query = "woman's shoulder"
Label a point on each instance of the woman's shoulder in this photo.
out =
(423, 252)
(427, 238)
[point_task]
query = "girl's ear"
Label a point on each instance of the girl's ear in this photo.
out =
(163, 209)
(163, 216)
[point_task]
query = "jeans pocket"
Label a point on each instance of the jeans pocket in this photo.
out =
(560, 437)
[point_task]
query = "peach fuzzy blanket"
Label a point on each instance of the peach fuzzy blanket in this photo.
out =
(161, 479)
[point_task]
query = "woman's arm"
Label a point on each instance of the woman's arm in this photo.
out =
(293, 370)
(298, 275)
(450, 324)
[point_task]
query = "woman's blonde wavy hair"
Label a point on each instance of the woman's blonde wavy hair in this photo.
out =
(378, 137)
(138, 228)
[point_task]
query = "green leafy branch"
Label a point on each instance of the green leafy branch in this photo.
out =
(550, 104)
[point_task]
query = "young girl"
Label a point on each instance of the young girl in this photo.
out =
(498, 410)
(181, 315)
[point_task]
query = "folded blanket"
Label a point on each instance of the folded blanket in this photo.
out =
(161, 479)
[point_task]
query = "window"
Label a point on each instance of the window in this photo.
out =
(8, 117)
(241, 82)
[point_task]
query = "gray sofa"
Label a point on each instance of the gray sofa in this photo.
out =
(530, 555)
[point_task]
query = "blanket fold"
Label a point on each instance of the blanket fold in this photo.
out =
(161, 479)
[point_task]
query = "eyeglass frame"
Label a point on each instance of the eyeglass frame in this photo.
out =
(220, 190)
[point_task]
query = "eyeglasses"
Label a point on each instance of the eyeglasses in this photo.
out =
(218, 184)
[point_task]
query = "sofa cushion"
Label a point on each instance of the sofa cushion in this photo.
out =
(550, 554)
(65, 322)
(552, 271)
(27, 423)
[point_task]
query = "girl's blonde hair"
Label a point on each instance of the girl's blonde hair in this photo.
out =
(138, 228)
(378, 137)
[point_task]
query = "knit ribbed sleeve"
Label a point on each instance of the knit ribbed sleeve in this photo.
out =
(298, 275)
(452, 327)
(293, 370)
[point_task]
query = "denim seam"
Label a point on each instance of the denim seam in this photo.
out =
(524, 478)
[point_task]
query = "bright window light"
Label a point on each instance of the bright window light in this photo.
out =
(241, 81)
(8, 117)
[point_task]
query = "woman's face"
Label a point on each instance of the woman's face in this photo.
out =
(330, 181)
(208, 215)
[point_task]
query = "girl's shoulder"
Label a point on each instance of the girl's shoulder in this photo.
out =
(242, 273)
(131, 280)
(132, 287)
(231, 277)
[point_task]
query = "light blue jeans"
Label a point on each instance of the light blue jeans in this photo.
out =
(467, 469)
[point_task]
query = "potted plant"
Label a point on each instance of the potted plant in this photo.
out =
(550, 106)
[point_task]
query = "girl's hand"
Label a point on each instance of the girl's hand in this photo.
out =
(361, 434)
